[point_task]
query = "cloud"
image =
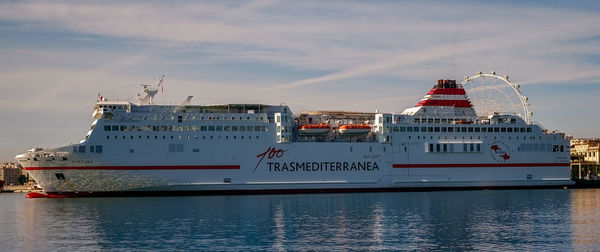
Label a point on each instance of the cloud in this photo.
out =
(350, 55)
(311, 35)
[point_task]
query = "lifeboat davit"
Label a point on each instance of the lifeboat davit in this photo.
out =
(354, 129)
(314, 129)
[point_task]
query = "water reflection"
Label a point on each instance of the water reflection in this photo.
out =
(459, 220)
(585, 218)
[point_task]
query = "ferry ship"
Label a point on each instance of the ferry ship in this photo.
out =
(441, 143)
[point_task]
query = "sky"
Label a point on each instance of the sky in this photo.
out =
(57, 56)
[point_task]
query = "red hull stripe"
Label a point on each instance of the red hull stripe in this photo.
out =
(447, 91)
(181, 167)
(478, 165)
(455, 103)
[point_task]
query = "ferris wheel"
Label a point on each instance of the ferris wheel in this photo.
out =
(491, 93)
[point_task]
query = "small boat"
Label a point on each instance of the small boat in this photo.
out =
(354, 129)
(314, 129)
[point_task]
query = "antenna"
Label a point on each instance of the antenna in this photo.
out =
(150, 92)
(162, 89)
(160, 81)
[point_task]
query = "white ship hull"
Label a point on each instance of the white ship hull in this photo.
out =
(302, 166)
(148, 148)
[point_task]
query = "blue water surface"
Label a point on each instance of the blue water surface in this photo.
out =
(487, 220)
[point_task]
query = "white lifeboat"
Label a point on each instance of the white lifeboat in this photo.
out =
(314, 129)
(354, 129)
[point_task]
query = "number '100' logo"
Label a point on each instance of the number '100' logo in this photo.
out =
(270, 154)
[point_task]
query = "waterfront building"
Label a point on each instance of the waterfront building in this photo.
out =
(10, 173)
(585, 159)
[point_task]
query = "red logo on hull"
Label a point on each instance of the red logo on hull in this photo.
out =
(499, 152)
(270, 154)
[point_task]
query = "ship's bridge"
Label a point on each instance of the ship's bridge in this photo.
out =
(109, 106)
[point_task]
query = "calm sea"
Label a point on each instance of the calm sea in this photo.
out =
(493, 220)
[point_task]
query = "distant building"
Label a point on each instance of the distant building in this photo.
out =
(585, 159)
(10, 173)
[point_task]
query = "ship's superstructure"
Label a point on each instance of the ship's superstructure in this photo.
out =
(439, 143)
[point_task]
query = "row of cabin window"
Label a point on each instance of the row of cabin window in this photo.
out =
(184, 128)
(186, 118)
(93, 149)
(485, 137)
(180, 138)
(455, 120)
(461, 129)
(454, 147)
(534, 147)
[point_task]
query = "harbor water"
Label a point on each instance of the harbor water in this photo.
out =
(489, 220)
